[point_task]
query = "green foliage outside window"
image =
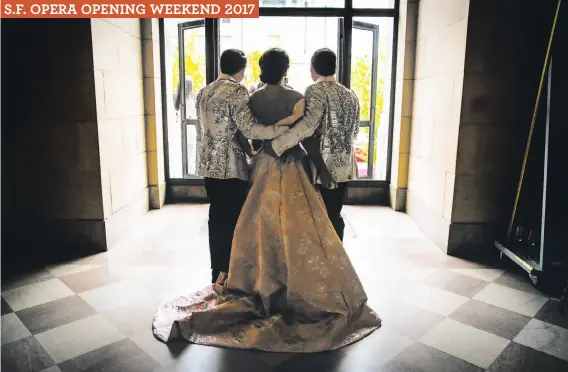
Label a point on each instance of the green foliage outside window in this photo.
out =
(253, 69)
(361, 76)
(194, 65)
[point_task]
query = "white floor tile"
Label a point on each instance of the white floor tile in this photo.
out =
(77, 338)
(433, 299)
(511, 299)
(13, 329)
(113, 296)
(465, 342)
(36, 294)
(545, 337)
(62, 270)
(487, 275)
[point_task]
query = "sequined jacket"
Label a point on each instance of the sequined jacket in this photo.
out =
(332, 113)
(219, 154)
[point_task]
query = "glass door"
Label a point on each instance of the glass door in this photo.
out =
(192, 77)
(364, 69)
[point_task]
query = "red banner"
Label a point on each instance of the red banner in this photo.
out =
(133, 9)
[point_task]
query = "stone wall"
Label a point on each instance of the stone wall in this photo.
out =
(51, 183)
(118, 74)
(436, 108)
(81, 133)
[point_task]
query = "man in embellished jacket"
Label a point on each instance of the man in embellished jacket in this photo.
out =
(222, 155)
(332, 114)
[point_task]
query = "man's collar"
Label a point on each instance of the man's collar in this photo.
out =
(226, 77)
(325, 78)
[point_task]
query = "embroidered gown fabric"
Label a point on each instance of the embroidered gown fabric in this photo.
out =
(291, 286)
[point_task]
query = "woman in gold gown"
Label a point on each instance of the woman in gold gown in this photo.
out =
(291, 286)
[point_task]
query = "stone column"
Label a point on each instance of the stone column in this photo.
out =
(153, 112)
(404, 89)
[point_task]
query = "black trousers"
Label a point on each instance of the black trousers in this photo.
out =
(226, 198)
(333, 199)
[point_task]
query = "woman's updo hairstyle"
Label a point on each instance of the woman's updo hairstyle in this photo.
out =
(273, 65)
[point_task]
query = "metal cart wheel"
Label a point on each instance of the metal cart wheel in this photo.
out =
(538, 280)
(535, 280)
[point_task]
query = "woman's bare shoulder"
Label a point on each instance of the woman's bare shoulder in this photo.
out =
(294, 94)
(258, 94)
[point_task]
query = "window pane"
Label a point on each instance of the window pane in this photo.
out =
(361, 75)
(303, 3)
(194, 65)
(299, 36)
(373, 4)
(361, 72)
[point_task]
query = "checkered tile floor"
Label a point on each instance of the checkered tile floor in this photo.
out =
(439, 313)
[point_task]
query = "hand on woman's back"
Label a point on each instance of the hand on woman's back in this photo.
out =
(297, 113)
(299, 109)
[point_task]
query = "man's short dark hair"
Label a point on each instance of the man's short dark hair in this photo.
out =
(324, 62)
(273, 65)
(233, 61)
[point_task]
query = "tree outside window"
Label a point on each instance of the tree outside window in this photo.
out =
(252, 75)
(361, 76)
(194, 64)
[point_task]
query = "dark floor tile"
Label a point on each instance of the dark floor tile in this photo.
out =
(383, 344)
(500, 322)
(408, 320)
(56, 313)
(199, 358)
(457, 283)
(519, 280)
(6, 309)
(422, 358)
(334, 361)
(90, 279)
(236, 360)
(122, 356)
(550, 313)
(25, 355)
(519, 358)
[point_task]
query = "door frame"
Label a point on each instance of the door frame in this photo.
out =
(184, 122)
(374, 29)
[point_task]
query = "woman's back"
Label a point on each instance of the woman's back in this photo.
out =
(272, 103)
(285, 251)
